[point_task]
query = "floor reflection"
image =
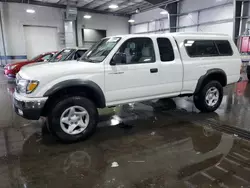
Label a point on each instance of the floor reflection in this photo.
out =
(161, 143)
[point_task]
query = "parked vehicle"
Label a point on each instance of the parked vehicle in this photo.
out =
(68, 54)
(124, 69)
(248, 72)
(11, 70)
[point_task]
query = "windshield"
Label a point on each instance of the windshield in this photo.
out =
(62, 55)
(35, 58)
(101, 50)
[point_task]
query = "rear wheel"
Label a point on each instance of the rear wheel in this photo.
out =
(72, 119)
(209, 98)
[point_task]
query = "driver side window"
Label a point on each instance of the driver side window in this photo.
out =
(47, 57)
(137, 50)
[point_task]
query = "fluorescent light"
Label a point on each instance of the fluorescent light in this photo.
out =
(113, 6)
(131, 21)
(87, 16)
(163, 12)
(31, 11)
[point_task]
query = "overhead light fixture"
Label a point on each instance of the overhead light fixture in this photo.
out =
(131, 21)
(113, 6)
(31, 11)
(87, 16)
(164, 12)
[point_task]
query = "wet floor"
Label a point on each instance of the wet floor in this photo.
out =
(155, 144)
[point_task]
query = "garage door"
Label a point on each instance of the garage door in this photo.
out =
(39, 40)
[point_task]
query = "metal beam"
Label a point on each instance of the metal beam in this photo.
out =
(134, 7)
(103, 5)
(33, 2)
(91, 2)
(160, 5)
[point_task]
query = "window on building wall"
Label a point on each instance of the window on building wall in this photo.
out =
(166, 49)
(138, 50)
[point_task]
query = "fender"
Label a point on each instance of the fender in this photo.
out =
(82, 83)
(209, 73)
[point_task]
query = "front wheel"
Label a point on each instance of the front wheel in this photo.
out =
(73, 118)
(209, 98)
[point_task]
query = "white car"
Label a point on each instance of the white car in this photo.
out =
(124, 69)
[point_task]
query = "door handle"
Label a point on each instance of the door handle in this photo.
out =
(155, 70)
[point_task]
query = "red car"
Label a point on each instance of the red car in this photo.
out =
(11, 70)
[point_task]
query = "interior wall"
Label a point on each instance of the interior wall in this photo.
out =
(114, 25)
(15, 17)
(150, 22)
(2, 60)
(206, 16)
(93, 35)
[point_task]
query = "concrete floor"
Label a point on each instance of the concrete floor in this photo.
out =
(145, 145)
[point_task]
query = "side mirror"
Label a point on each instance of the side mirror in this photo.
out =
(119, 58)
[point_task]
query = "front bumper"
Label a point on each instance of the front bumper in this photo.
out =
(28, 108)
(10, 73)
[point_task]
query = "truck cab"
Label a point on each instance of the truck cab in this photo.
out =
(124, 69)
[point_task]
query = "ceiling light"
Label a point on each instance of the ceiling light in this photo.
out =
(113, 6)
(31, 11)
(87, 16)
(163, 12)
(131, 21)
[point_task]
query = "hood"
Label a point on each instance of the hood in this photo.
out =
(20, 63)
(54, 70)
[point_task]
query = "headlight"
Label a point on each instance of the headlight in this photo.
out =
(10, 67)
(31, 86)
(26, 86)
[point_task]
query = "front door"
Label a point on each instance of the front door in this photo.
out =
(137, 76)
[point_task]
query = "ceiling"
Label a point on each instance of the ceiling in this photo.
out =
(125, 7)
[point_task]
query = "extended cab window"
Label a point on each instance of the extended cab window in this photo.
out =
(166, 49)
(224, 47)
(206, 48)
(137, 50)
(201, 48)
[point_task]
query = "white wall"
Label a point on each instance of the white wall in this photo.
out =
(114, 25)
(150, 22)
(218, 19)
(15, 17)
(191, 5)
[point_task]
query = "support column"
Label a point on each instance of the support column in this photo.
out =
(172, 10)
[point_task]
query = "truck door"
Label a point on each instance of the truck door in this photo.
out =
(171, 67)
(137, 76)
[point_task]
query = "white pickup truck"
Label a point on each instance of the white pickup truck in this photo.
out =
(124, 69)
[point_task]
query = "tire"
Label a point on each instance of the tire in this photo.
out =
(200, 97)
(61, 107)
(248, 76)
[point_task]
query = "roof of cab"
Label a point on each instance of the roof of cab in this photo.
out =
(178, 34)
